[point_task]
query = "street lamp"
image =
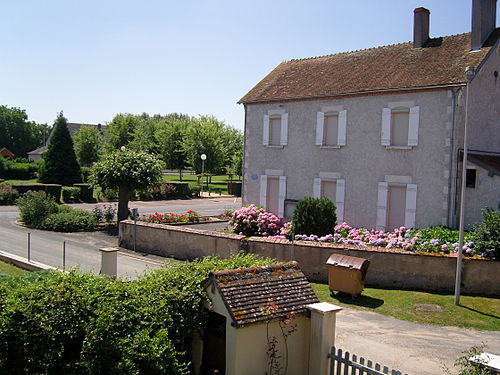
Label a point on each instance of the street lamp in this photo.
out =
(469, 74)
(203, 158)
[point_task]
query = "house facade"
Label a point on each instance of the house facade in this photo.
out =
(378, 131)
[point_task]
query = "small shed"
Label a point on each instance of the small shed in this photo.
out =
(249, 311)
(5, 152)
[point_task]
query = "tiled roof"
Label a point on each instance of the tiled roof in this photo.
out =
(256, 294)
(442, 61)
(487, 160)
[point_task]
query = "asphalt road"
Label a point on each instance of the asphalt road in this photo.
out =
(82, 249)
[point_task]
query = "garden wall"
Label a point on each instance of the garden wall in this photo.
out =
(388, 268)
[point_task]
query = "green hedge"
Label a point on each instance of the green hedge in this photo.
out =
(18, 171)
(86, 192)
(53, 190)
(70, 194)
(69, 220)
(72, 323)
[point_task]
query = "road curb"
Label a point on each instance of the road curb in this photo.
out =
(24, 263)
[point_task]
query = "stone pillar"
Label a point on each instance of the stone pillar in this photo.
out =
(109, 256)
(323, 319)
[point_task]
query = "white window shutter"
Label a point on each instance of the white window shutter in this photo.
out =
(386, 127)
(265, 131)
(413, 126)
(383, 189)
(263, 190)
(282, 197)
(317, 188)
(411, 205)
(284, 129)
(342, 128)
(339, 200)
(320, 121)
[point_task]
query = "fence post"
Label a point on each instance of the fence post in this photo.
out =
(29, 247)
(64, 256)
(323, 319)
(109, 256)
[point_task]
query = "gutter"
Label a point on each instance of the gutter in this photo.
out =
(356, 93)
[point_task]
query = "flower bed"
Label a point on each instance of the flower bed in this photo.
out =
(400, 238)
(172, 218)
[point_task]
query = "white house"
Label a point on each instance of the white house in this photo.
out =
(380, 131)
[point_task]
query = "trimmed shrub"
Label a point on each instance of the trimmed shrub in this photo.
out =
(254, 221)
(70, 194)
(487, 234)
(35, 206)
(314, 216)
(86, 192)
(51, 189)
(8, 194)
(69, 220)
(10, 170)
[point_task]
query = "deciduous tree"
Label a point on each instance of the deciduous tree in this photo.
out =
(87, 142)
(128, 170)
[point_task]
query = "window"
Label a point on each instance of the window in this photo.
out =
(396, 205)
(275, 129)
(331, 128)
(400, 127)
(470, 178)
(273, 192)
(332, 188)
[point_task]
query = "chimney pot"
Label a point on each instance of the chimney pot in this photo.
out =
(420, 27)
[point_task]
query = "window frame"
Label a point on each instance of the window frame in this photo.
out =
(413, 125)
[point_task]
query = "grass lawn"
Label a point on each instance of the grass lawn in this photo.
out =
(218, 185)
(10, 269)
(474, 312)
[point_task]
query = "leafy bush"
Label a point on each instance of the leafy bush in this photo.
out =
(35, 206)
(69, 220)
(467, 368)
(314, 216)
(254, 221)
(104, 213)
(487, 234)
(443, 234)
(70, 194)
(8, 194)
(72, 323)
(165, 190)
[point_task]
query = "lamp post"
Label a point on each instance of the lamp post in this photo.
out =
(203, 157)
(469, 74)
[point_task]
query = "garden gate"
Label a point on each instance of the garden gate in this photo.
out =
(342, 364)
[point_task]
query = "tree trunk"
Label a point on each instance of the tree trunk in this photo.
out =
(180, 174)
(123, 197)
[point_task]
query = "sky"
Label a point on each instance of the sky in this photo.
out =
(94, 59)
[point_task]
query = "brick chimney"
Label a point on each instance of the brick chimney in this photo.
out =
(483, 21)
(420, 27)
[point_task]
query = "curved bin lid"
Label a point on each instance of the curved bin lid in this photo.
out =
(339, 260)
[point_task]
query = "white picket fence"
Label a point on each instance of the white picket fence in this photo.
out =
(341, 363)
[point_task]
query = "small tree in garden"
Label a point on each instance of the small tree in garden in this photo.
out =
(126, 170)
(87, 145)
(59, 164)
(314, 216)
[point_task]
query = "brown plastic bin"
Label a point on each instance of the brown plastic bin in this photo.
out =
(347, 274)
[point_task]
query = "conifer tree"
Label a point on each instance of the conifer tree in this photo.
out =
(59, 162)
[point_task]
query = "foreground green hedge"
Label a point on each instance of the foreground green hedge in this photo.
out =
(56, 323)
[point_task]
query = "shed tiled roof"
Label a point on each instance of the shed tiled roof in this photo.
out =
(442, 61)
(487, 160)
(249, 292)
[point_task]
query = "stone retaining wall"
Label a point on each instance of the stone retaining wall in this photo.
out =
(388, 268)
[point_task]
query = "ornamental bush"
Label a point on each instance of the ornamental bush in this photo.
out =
(254, 221)
(314, 216)
(35, 206)
(69, 220)
(487, 234)
(70, 194)
(8, 194)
